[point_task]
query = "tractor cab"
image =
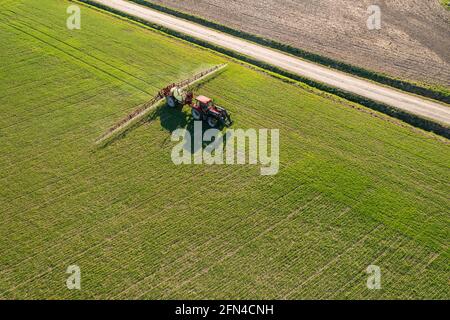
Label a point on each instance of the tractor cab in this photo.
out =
(204, 103)
(205, 109)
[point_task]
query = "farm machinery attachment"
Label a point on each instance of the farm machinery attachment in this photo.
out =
(177, 95)
(202, 108)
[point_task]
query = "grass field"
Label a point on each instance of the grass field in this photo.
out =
(354, 189)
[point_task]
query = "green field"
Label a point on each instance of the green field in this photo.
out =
(355, 188)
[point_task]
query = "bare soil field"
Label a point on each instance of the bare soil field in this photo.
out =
(413, 43)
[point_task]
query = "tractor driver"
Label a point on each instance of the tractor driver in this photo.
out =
(205, 106)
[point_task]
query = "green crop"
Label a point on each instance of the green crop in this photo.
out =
(355, 187)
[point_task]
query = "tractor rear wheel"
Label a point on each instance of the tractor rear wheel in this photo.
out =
(212, 122)
(196, 114)
(171, 102)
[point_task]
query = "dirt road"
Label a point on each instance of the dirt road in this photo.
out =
(413, 43)
(413, 104)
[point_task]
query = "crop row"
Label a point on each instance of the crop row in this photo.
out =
(407, 117)
(361, 72)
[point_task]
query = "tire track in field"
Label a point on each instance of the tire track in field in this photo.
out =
(193, 246)
(124, 231)
(373, 154)
(93, 228)
(112, 115)
(67, 142)
(239, 248)
(400, 100)
(389, 273)
(108, 240)
(387, 160)
(343, 124)
(90, 65)
(68, 175)
(23, 24)
(209, 241)
(84, 96)
(132, 226)
(317, 219)
(72, 190)
(395, 244)
(54, 107)
(160, 62)
(26, 121)
(72, 173)
(311, 202)
(334, 260)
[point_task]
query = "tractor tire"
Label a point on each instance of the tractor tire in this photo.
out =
(196, 114)
(212, 122)
(171, 102)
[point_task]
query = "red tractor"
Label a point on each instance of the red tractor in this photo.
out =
(203, 108)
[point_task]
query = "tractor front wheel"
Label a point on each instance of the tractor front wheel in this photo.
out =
(171, 102)
(196, 114)
(212, 122)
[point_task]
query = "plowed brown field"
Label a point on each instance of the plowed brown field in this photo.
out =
(414, 42)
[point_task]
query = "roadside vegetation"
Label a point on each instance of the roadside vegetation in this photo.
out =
(437, 92)
(355, 187)
(410, 118)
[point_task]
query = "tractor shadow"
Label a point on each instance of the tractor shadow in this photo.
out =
(172, 119)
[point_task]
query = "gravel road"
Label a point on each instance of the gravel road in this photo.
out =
(413, 104)
(413, 43)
